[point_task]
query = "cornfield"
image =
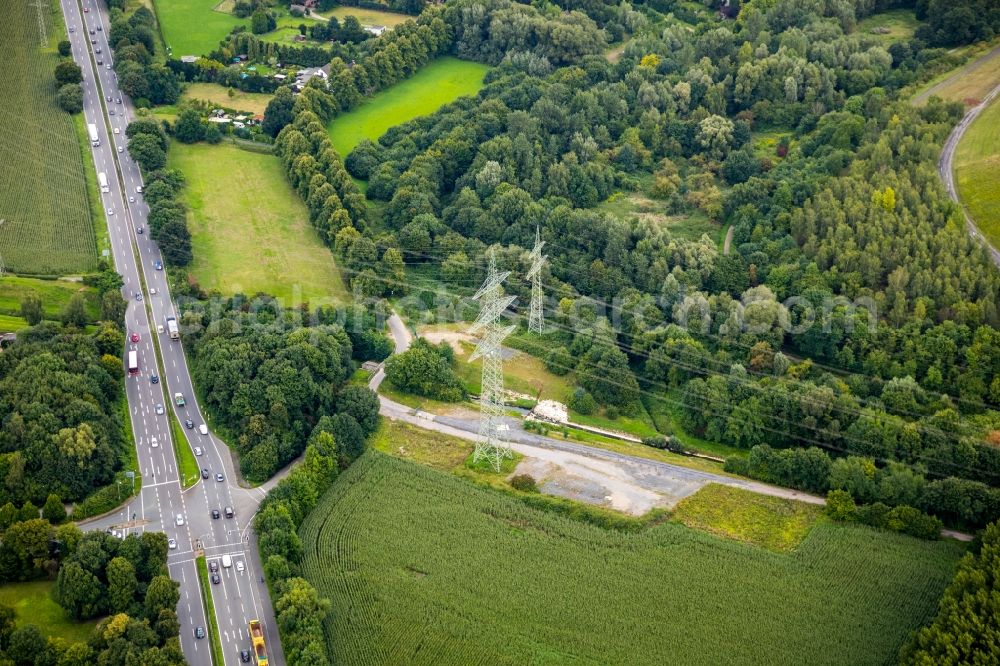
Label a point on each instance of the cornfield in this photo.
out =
(423, 567)
(46, 224)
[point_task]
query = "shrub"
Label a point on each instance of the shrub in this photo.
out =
(581, 401)
(559, 361)
(524, 482)
(840, 505)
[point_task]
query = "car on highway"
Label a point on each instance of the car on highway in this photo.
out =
(245, 656)
(118, 130)
(227, 561)
(152, 291)
(172, 544)
(153, 443)
(72, 29)
(111, 112)
(215, 514)
(108, 98)
(153, 379)
(99, 61)
(134, 337)
(198, 451)
(86, 10)
(91, 31)
(179, 520)
(159, 409)
(199, 632)
(229, 512)
(179, 399)
(216, 579)
(99, 28)
(213, 565)
(240, 566)
(131, 199)
(108, 66)
(203, 429)
(121, 149)
(219, 477)
(139, 230)
(119, 99)
(98, 50)
(158, 265)
(138, 189)
(93, 40)
(205, 473)
(111, 211)
(188, 423)
(138, 295)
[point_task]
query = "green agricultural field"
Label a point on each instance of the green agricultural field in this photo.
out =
(33, 604)
(423, 567)
(250, 231)
(40, 233)
(900, 23)
(977, 171)
(54, 294)
(369, 17)
(219, 96)
(438, 83)
(194, 27)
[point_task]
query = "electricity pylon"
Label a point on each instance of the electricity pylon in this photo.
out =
(536, 318)
(492, 444)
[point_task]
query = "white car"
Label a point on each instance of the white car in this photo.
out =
(131, 199)
(172, 544)
(118, 130)
(179, 520)
(159, 409)
(153, 443)
(138, 188)
(152, 291)
(227, 561)
(198, 451)
(121, 149)
(111, 211)
(239, 566)
(203, 429)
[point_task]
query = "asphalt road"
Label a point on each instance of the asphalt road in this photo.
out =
(162, 505)
(947, 171)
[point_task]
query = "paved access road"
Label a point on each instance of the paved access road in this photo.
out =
(947, 171)
(184, 515)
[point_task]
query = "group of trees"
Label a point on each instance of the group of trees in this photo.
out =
(148, 145)
(333, 445)
(956, 502)
(68, 77)
(950, 23)
(139, 76)
(96, 574)
(270, 380)
(427, 370)
(60, 429)
(967, 626)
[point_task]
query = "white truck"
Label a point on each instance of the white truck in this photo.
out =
(102, 178)
(92, 131)
(172, 328)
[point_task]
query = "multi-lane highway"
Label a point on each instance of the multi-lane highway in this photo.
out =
(186, 516)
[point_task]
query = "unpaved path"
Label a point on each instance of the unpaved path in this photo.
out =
(982, 61)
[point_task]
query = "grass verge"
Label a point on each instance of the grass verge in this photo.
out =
(769, 522)
(215, 641)
(187, 465)
(977, 171)
(33, 604)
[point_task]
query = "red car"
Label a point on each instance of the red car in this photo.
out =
(135, 337)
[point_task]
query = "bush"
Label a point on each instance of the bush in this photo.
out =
(524, 482)
(559, 361)
(840, 505)
(611, 412)
(581, 401)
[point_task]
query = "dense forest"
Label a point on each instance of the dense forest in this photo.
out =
(272, 375)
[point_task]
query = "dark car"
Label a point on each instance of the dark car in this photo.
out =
(188, 423)
(215, 513)
(204, 473)
(245, 656)
(215, 579)
(199, 632)
(213, 565)
(153, 379)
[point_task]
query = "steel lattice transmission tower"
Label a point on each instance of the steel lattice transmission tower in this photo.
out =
(492, 444)
(536, 319)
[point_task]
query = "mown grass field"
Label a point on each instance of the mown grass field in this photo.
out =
(54, 294)
(423, 567)
(368, 17)
(219, 96)
(901, 24)
(250, 231)
(193, 27)
(45, 224)
(970, 82)
(33, 604)
(771, 522)
(977, 171)
(436, 84)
